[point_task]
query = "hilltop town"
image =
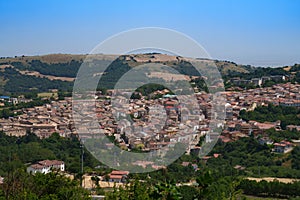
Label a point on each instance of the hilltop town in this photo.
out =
(56, 116)
(255, 109)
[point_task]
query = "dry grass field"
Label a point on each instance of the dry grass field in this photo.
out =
(270, 179)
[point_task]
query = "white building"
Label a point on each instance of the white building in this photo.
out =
(46, 166)
(256, 81)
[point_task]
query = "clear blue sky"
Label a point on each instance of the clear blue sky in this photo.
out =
(258, 32)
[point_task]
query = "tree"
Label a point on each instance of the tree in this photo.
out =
(96, 180)
(296, 158)
(165, 191)
(21, 185)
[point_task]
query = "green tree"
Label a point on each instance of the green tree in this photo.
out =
(21, 185)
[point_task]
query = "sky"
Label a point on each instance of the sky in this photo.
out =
(256, 32)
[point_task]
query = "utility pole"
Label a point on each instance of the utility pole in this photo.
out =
(82, 153)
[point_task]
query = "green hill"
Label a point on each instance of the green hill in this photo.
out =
(58, 71)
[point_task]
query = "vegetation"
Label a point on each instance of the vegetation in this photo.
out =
(12, 110)
(14, 82)
(21, 185)
(200, 83)
(246, 152)
(68, 69)
(295, 156)
(216, 179)
(207, 187)
(258, 72)
(18, 83)
(62, 94)
(271, 113)
(149, 88)
(270, 189)
(15, 152)
(278, 136)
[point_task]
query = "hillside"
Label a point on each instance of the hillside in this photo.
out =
(58, 71)
(68, 64)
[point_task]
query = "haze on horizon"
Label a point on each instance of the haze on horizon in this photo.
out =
(260, 33)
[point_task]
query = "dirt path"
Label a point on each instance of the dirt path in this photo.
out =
(38, 74)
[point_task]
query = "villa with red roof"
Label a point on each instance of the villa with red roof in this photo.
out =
(283, 147)
(46, 166)
(118, 176)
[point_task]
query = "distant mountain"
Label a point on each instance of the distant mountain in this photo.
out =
(58, 71)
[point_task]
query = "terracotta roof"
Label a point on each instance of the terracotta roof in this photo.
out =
(37, 166)
(185, 164)
(115, 176)
(119, 172)
(216, 155)
(50, 162)
(280, 144)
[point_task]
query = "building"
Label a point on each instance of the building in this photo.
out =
(278, 78)
(265, 140)
(293, 128)
(283, 147)
(265, 78)
(291, 103)
(46, 166)
(118, 176)
(256, 81)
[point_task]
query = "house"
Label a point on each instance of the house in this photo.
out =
(256, 81)
(296, 142)
(278, 78)
(293, 128)
(225, 139)
(185, 164)
(46, 166)
(265, 78)
(283, 147)
(290, 103)
(216, 155)
(206, 158)
(4, 98)
(118, 176)
(265, 140)
(239, 167)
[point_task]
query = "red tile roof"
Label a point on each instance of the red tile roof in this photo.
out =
(115, 176)
(119, 172)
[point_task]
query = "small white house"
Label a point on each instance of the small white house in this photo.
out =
(46, 166)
